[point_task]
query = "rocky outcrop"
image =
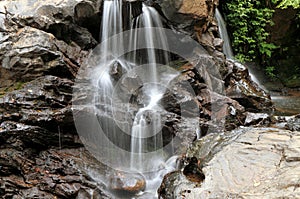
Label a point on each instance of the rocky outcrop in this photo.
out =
(41, 50)
(67, 20)
(61, 173)
(240, 87)
(247, 163)
(195, 17)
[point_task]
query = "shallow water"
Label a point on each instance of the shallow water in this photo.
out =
(287, 105)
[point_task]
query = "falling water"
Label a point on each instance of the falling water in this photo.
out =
(224, 35)
(227, 50)
(145, 132)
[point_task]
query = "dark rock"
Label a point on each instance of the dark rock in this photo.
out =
(44, 102)
(293, 124)
(116, 71)
(170, 183)
(193, 172)
(67, 190)
(33, 53)
(241, 88)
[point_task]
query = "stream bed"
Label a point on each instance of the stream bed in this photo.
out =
(287, 104)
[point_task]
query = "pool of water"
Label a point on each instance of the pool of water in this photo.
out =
(287, 105)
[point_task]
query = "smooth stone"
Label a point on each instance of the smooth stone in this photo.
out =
(127, 182)
(246, 163)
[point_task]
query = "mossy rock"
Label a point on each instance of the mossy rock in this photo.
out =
(14, 86)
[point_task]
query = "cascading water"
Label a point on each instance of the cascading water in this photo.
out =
(227, 50)
(145, 131)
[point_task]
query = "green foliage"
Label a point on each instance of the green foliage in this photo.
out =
(270, 71)
(287, 3)
(247, 20)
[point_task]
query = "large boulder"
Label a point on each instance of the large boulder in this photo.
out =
(31, 53)
(247, 163)
(67, 20)
(195, 17)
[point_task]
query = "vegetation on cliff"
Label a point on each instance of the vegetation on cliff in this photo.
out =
(259, 34)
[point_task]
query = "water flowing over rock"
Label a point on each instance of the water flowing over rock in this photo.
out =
(43, 45)
(247, 163)
(127, 183)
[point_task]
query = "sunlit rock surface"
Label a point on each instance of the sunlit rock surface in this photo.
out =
(247, 163)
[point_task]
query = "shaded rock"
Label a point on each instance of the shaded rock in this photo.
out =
(193, 172)
(61, 173)
(127, 182)
(67, 190)
(171, 181)
(32, 53)
(218, 43)
(293, 123)
(44, 102)
(247, 163)
(241, 88)
(30, 136)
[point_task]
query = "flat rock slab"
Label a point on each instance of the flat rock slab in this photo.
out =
(252, 163)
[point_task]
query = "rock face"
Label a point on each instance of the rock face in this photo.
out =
(194, 17)
(240, 87)
(41, 50)
(247, 163)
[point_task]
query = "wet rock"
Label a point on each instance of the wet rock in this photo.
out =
(127, 182)
(218, 43)
(257, 118)
(193, 172)
(293, 123)
(44, 102)
(33, 53)
(61, 173)
(249, 162)
(130, 88)
(26, 136)
(241, 88)
(67, 190)
(116, 71)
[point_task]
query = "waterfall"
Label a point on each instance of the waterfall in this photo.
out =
(227, 50)
(141, 134)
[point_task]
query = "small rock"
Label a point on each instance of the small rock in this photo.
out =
(193, 172)
(127, 182)
(256, 118)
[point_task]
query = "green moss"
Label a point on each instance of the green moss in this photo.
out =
(177, 64)
(13, 87)
(19, 85)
